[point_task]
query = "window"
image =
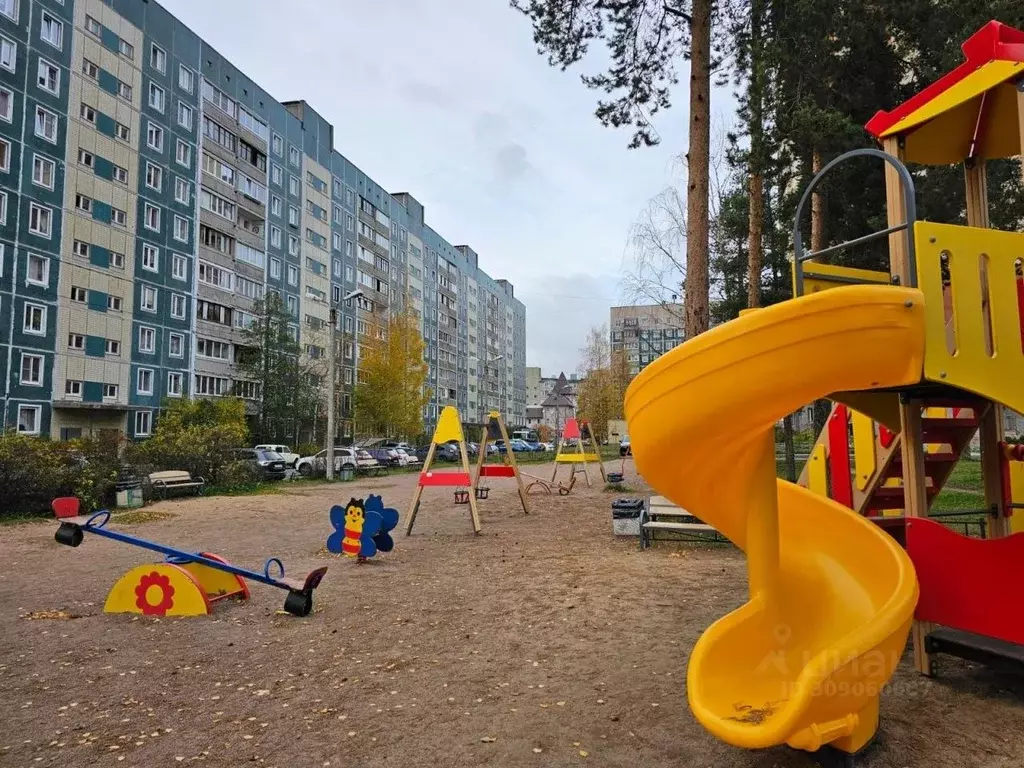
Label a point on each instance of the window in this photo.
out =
(112, 347)
(37, 270)
(212, 385)
(52, 31)
(293, 275)
(215, 276)
(34, 320)
(150, 257)
(293, 216)
(119, 174)
(174, 385)
(218, 99)
(90, 70)
(8, 54)
(114, 303)
(293, 245)
(144, 381)
(251, 188)
(121, 131)
(158, 58)
(29, 418)
(148, 298)
(76, 341)
(218, 170)
(176, 345)
(31, 370)
(293, 156)
(6, 105)
(118, 217)
(256, 126)
(127, 49)
(350, 223)
(5, 155)
(182, 191)
(87, 113)
(155, 137)
(147, 340)
(85, 158)
(79, 294)
(251, 155)
(183, 154)
(177, 306)
(80, 248)
(275, 269)
(179, 267)
(219, 134)
(218, 205)
(40, 219)
(186, 78)
(275, 237)
(248, 288)
(275, 174)
(249, 255)
(275, 205)
(157, 98)
(181, 229)
(48, 77)
(216, 240)
(116, 260)
(124, 90)
(46, 125)
(144, 419)
(152, 217)
(277, 145)
(110, 391)
(154, 176)
(219, 350)
(73, 388)
(92, 26)
(293, 186)
(184, 115)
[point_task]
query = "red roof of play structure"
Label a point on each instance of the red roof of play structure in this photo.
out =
(993, 42)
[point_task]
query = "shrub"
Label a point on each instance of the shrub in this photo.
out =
(308, 449)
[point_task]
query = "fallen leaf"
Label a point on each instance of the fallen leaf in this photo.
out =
(583, 753)
(537, 750)
(488, 739)
(560, 703)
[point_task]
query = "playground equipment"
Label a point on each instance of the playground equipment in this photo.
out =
(448, 430)
(362, 528)
(923, 355)
(187, 583)
(579, 432)
(508, 468)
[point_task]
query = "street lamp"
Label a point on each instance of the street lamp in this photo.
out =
(330, 377)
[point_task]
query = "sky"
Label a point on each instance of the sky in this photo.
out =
(450, 101)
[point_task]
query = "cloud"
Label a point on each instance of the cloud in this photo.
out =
(510, 163)
(426, 93)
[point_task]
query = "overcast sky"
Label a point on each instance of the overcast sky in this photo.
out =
(448, 100)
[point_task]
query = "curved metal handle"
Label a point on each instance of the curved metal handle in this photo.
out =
(270, 562)
(909, 201)
(104, 516)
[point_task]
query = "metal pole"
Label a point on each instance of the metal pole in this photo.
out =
(331, 395)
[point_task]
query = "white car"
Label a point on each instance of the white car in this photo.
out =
(290, 457)
(406, 459)
(317, 464)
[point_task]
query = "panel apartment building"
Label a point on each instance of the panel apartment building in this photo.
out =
(150, 194)
(645, 332)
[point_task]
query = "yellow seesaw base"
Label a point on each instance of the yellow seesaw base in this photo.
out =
(170, 589)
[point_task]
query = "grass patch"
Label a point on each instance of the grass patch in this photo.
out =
(954, 500)
(966, 475)
(140, 516)
(617, 488)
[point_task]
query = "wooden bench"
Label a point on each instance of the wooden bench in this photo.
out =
(660, 514)
(170, 480)
(376, 468)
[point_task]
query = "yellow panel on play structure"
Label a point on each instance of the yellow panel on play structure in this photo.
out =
(157, 589)
(577, 458)
(449, 427)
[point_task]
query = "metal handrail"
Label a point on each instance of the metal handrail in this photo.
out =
(909, 201)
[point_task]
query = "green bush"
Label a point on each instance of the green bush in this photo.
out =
(307, 449)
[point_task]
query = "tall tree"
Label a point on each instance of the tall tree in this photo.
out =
(288, 381)
(646, 39)
(605, 376)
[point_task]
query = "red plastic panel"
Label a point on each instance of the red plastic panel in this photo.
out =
(65, 506)
(839, 456)
(444, 478)
(496, 470)
(885, 436)
(969, 584)
(571, 431)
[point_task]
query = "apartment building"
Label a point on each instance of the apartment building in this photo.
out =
(645, 332)
(151, 193)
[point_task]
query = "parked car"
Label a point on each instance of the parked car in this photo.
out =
(386, 456)
(534, 447)
(268, 465)
(317, 464)
(448, 452)
(404, 446)
(289, 456)
(624, 446)
(407, 458)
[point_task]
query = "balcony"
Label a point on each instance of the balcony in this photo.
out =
(371, 221)
(372, 247)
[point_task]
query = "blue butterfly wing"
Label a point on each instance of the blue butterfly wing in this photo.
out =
(371, 527)
(338, 521)
(390, 518)
(384, 541)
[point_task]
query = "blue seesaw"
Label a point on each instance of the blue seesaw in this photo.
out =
(187, 583)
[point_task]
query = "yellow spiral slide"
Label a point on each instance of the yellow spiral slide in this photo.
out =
(831, 596)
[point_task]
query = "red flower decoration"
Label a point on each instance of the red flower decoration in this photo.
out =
(163, 583)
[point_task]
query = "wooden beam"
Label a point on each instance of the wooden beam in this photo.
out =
(511, 460)
(896, 213)
(990, 433)
(414, 506)
(915, 501)
(474, 513)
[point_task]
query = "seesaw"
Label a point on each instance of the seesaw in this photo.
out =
(548, 485)
(186, 583)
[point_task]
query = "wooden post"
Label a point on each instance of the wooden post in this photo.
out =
(473, 512)
(512, 461)
(414, 507)
(896, 212)
(915, 504)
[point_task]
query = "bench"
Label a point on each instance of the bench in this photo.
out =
(660, 514)
(365, 468)
(170, 480)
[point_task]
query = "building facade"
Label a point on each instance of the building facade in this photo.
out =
(151, 193)
(645, 332)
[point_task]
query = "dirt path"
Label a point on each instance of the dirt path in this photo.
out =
(546, 634)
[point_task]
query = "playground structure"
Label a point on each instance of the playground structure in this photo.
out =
(580, 432)
(186, 583)
(920, 357)
(362, 528)
(496, 430)
(449, 429)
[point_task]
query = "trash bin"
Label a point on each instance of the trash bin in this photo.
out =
(626, 516)
(129, 494)
(346, 473)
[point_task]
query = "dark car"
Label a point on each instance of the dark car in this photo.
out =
(268, 465)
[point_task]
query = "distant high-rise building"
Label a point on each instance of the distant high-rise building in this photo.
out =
(645, 332)
(151, 193)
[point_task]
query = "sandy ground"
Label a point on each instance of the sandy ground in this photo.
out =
(543, 642)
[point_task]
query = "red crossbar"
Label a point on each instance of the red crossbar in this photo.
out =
(444, 478)
(497, 470)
